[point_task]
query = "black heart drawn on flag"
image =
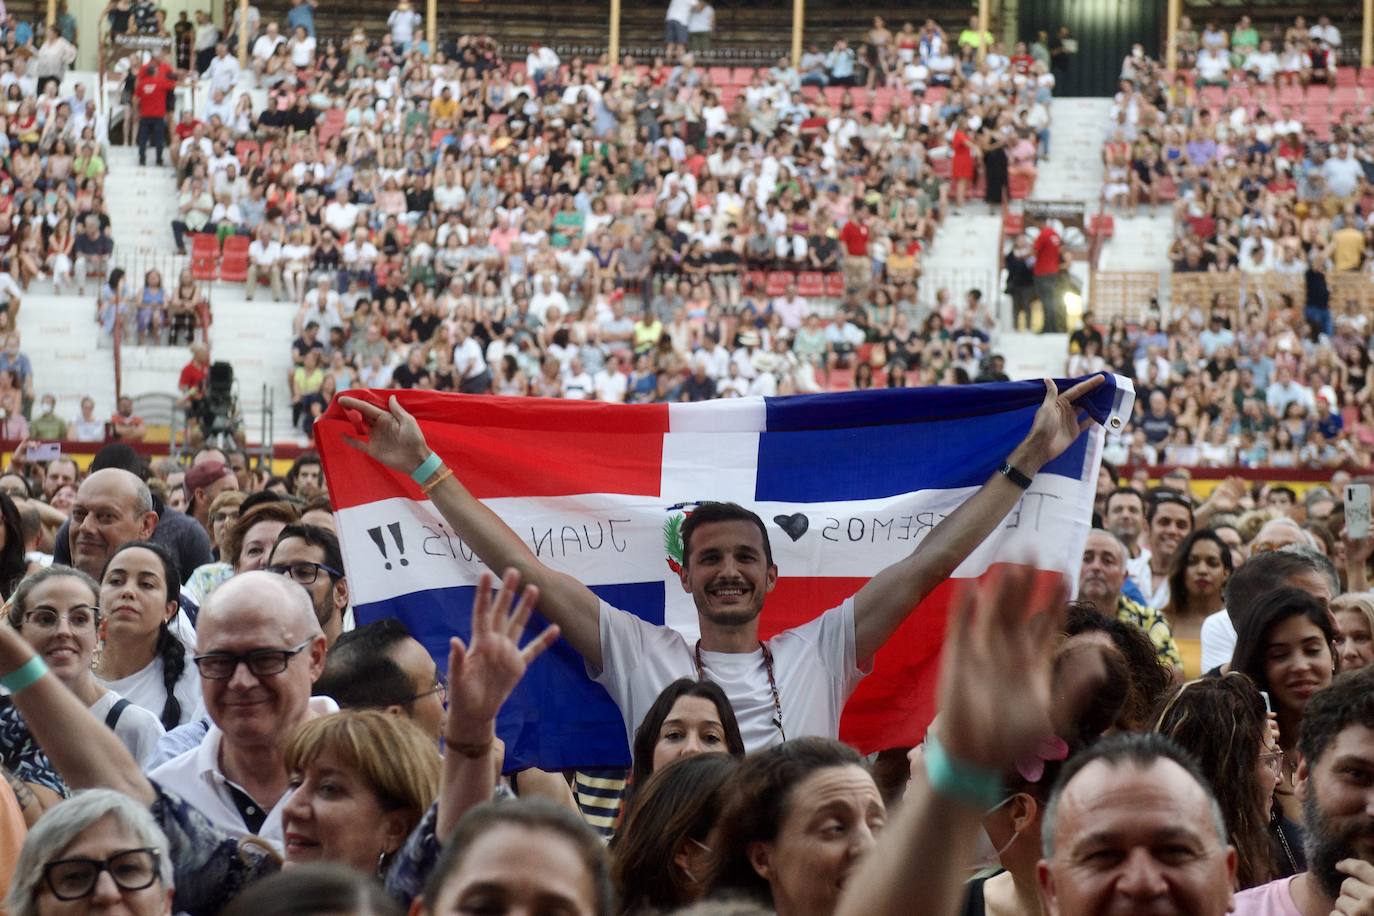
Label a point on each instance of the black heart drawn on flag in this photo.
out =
(795, 524)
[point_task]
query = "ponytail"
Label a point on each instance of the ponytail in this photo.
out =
(173, 655)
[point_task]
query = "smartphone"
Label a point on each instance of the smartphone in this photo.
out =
(1357, 510)
(1268, 706)
(48, 451)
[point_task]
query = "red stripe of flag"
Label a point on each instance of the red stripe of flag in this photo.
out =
(506, 447)
(892, 706)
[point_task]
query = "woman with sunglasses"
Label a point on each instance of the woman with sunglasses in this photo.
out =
(326, 767)
(98, 852)
(55, 611)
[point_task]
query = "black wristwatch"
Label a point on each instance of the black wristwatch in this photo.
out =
(1014, 475)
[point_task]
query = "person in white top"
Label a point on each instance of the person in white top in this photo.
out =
(794, 684)
(610, 383)
(260, 648)
(223, 72)
(1168, 520)
(266, 45)
(403, 22)
(56, 611)
(143, 657)
(1282, 554)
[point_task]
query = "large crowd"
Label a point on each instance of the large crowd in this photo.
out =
(194, 721)
(1262, 358)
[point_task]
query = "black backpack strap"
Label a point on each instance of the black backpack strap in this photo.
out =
(117, 710)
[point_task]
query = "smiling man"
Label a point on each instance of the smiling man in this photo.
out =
(795, 683)
(259, 650)
(112, 508)
(1169, 519)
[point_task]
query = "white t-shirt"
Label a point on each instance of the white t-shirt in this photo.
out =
(138, 728)
(813, 664)
(196, 777)
(1218, 640)
(144, 688)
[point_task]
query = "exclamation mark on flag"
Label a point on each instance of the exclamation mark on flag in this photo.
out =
(395, 529)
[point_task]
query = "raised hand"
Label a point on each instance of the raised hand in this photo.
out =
(1056, 425)
(482, 675)
(393, 436)
(995, 674)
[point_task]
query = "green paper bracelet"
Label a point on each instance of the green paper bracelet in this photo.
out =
(961, 782)
(426, 469)
(24, 676)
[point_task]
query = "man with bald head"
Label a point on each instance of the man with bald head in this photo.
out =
(1100, 581)
(112, 508)
(259, 648)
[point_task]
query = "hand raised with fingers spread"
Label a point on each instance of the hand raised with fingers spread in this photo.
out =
(995, 674)
(482, 674)
(1056, 425)
(393, 436)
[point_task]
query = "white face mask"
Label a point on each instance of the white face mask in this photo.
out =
(988, 854)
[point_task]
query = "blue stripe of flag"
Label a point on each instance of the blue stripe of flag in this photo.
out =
(876, 444)
(557, 718)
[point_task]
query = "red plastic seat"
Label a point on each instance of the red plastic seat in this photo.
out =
(1013, 223)
(755, 280)
(204, 266)
(234, 269)
(204, 243)
(1102, 225)
(834, 284)
(811, 283)
(777, 282)
(236, 245)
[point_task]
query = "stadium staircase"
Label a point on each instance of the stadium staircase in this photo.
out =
(254, 337)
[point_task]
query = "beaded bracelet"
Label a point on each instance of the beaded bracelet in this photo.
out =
(25, 675)
(959, 781)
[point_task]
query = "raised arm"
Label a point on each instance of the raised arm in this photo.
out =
(994, 706)
(480, 678)
(87, 753)
(884, 602)
(395, 440)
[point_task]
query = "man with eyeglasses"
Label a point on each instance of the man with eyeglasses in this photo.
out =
(259, 648)
(381, 666)
(310, 556)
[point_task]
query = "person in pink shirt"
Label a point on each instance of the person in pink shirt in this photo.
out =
(1335, 782)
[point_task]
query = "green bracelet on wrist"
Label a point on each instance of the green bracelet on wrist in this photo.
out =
(426, 469)
(962, 782)
(25, 675)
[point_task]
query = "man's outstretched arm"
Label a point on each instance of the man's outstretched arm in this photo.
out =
(882, 604)
(395, 440)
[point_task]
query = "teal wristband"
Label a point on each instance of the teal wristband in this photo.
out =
(961, 782)
(24, 675)
(426, 469)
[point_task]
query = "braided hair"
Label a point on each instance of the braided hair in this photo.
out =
(169, 649)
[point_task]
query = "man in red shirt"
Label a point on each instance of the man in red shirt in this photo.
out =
(858, 269)
(1047, 257)
(155, 80)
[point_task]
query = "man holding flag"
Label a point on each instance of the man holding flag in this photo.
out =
(795, 683)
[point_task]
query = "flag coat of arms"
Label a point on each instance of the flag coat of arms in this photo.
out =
(847, 484)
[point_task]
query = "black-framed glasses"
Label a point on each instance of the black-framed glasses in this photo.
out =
(81, 618)
(131, 870)
(303, 573)
(220, 666)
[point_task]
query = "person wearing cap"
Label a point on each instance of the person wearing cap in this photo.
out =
(203, 483)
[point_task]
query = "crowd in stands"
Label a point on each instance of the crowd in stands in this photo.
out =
(191, 707)
(627, 231)
(1262, 358)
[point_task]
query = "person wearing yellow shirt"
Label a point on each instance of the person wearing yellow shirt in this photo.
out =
(973, 36)
(1347, 247)
(444, 108)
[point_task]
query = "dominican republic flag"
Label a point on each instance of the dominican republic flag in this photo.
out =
(848, 483)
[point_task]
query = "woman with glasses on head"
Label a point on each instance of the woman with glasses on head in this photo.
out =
(142, 658)
(98, 852)
(55, 611)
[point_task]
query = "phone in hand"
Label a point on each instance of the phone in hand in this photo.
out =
(1357, 510)
(43, 451)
